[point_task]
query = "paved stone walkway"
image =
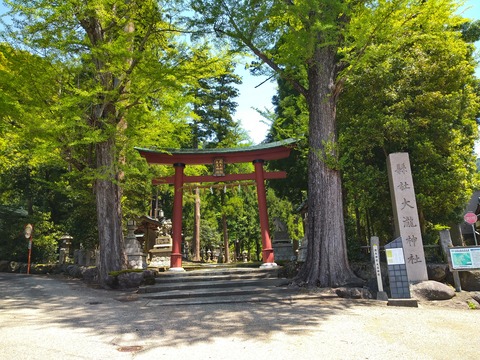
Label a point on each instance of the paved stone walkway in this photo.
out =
(51, 318)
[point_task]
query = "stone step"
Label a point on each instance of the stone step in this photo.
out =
(219, 270)
(215, 285)
(209, 283)
(214, 275)
(231, 291)
(245, 294)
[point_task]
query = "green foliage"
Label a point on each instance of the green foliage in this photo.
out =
(109, 74)
(415, 94)
(290, 121)
(209, 234)
(45, 239)
(14, 245)
(471, 305)
(408, 85)
(471, 31)
(244, 226)
(12, 240)
(214, 107)
(237, 203)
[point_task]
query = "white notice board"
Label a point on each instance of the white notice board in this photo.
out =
(395, 256)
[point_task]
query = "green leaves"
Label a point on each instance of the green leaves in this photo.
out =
(110, 73)
(414, 92)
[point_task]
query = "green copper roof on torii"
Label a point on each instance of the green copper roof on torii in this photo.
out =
(269, 151)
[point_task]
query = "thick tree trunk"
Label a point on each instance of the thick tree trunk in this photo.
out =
(109, 212)
(326, 264)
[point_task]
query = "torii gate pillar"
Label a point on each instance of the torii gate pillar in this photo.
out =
(176, 257)
(267, 253)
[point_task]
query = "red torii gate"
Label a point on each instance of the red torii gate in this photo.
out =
(179, 158)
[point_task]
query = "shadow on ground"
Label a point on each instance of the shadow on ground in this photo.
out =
(46, 302)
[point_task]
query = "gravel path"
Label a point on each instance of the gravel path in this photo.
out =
(44, 318)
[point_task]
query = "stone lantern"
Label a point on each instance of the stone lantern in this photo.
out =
(135, 255)
(64, 252)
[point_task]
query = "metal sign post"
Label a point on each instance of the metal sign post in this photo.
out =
(28, 235)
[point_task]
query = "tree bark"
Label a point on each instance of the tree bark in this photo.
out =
(105, 116)
(109, 211)
(326, 264)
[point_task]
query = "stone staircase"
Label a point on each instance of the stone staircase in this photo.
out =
(217, 285)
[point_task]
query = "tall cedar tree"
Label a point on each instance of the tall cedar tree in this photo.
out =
(214, 107)
(314, 45)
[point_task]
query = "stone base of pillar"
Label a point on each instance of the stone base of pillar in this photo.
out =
(159, 261)
(268, 265)
(137, 261)
(382, 295)
(176, 269)
(283, 251)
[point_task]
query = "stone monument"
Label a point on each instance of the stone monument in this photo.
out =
(302, 250)
(135, 255)
(407, 224)
(281, 243)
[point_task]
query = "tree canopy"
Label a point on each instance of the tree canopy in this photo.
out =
(120, 72)
(318, 47)
(420, 96)
(82, 83)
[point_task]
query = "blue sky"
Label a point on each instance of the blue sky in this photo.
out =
(252, 97)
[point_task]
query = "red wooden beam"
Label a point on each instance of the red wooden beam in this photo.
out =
(271, 175)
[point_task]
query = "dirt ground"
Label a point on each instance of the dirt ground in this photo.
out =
(44, 317)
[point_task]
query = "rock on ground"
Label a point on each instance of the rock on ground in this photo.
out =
(432, 290)
(353, 293)
(470, 280)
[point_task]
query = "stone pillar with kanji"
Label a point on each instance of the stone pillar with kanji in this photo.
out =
(407, 224)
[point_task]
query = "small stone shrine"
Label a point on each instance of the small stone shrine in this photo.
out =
(83, 257)
(281, 243)
(147, 231)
